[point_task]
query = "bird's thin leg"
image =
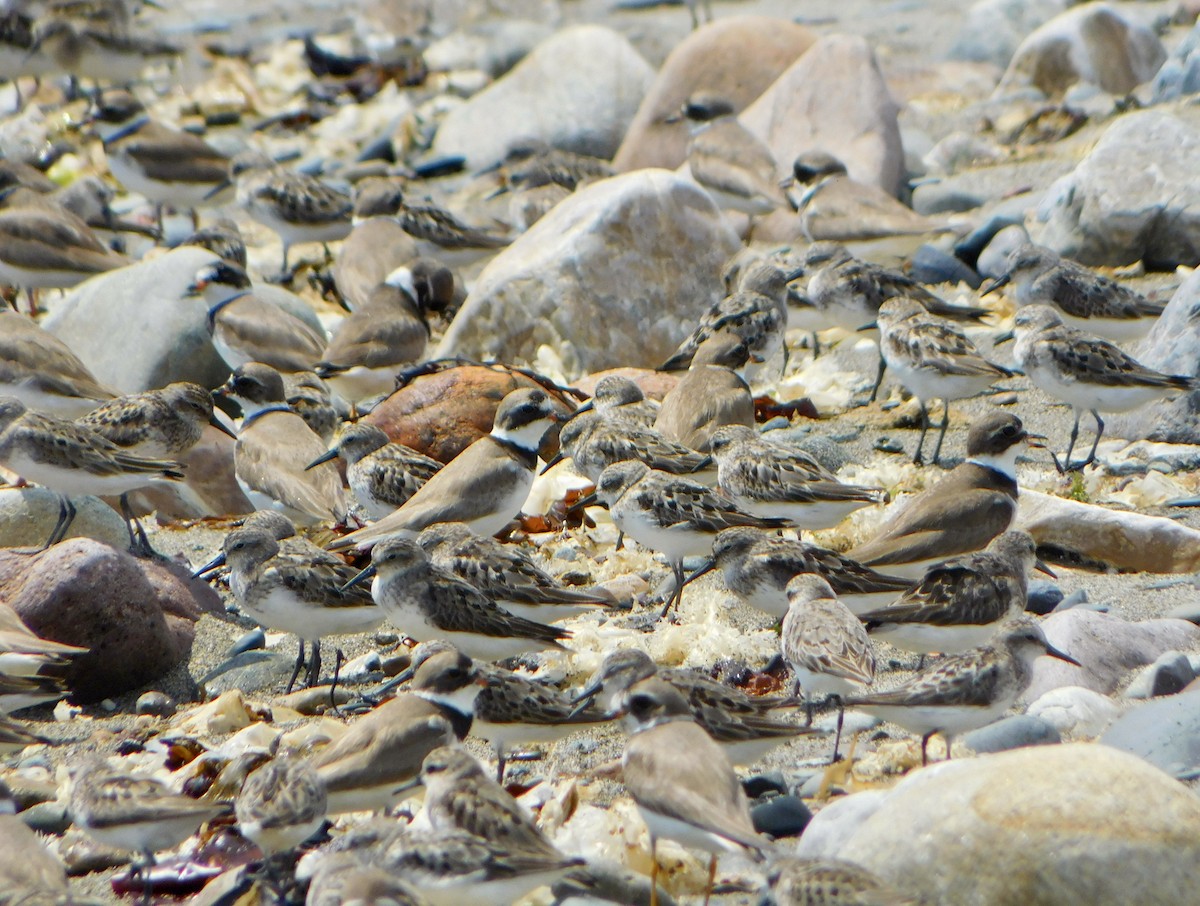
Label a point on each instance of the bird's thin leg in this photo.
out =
(919, 457)
(677, 592)
(1065, 466)
(937, 451)
(296, 670)
(924, 748)
(837, 739)
(66, 515)
(314, 665)
(712, 875)
(337, 672)
(1091, 458)
(653, 871)
(501, 762)
(878, 379)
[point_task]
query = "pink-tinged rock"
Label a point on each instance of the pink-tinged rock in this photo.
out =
(654, 384)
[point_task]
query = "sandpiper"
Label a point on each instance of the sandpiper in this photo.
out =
(933, 360)
(1089, 373)
(24, 653)
(533, 163)
(367, 767)
(485, 485)
(770, 479)
(18, 692)
(166, 166)
(427, 602)
(825, 645)
(274, 446)
(961, 513)
(1085, 300)
(41, 371)
(342, 879)
(309, 396)
(223, 238)
(99, 52)
(683, 784)
(757, 565)
(281, 804)
(620, 396)
(507, 574)
(594, 440)
(383, 475)
(959, 604)
(711, 395)
(830, 882)
(673, 515)
(443, 236)
(29, 871)
(962, 692)
(71, 459)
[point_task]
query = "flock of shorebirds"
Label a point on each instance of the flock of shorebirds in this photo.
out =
(690, 477)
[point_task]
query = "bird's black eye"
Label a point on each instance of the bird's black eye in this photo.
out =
(1009, 430)
(454, 673)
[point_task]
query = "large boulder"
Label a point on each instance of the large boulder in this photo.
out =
(1165, 732)
(1044, 826)
(614, 275)
(28, 516)
(1173, 345)
(735, 57)
(833, 99)
(1088, 43)
(136, 617)
(588, 82)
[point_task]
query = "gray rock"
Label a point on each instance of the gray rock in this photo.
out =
(1075, 712)
(781, 816)
(614, 275)
(250, 671)
(931, 265)
(1040, 827)
(495, 47)
(588, 81)
(1014, 732)
(1180, 74)
(51, 818)
(1134, 197)
(1189, 610)
(1169, 674)
(1165, 732)
(1173, 345)
(992, 30)
(993, 260)
(1087, 43)
(833, 99)
(28, 515)
(830, 828)
(943, 198)
(1107, 646)
(157, 704)
(1043, 597)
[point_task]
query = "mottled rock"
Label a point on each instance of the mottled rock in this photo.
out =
(441, 414)
(1169, 674)
(1119, 538)
(1134, 197)
(736, 57)
(614, 275)
(1075, 712)
(495, 46)
(1040, 827)
(992, 30)
(1014, 732)
(1180, 74)
(1173, 345)
(588, 81)
(136, 617)
(1165, 732)
(833, 99)
(1107, 647)
(1087, 43)
(28, 516)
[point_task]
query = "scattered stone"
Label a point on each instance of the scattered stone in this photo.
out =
(931, 265)
(617, 274)
(156, 704)
(1075, 712)
(1180, 74)
(1077, 598)
(136, 617)
(1064, 800)
(50, 818)
(1013, 732)
(254, 639)
(1164, 731)
(440, 414)
(1169, 674)
(1120, 539)
(888, 445)
(1189, 610)
(781, 816)
(315, 699)
(1132, 198)
(28, 516)
(1089, 43)
(837, 823)
(1043, 597)
(735, 57)
(250, 671)
(833, 99)
(944, 198)
(1107, 647)
(992, 30)
(759, 785)
(993, 259)
(588, 81)
(362, 668)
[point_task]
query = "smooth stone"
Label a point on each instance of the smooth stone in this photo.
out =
(931, 265)
(1077, 598)
(993, 260)
(1118, 538)
(588, 81)
(156, 704)
(209, 487)
(441, 414)
(250, 671)
(1168, 675)
(654, 384)
(28, 516)
(781, 816)
(1014, 732)
(833, 99)
(617, 274)
(944, 198)
(1172, 344)
(52, 818)
(1040, 827)
(137, 617)
(758, 785)
(1075, 712)
(830, 828)
(253, 640)
(1164, 731)
(992, 30)
(1189, 610)
(361, 668)
(736, 57)
(1087, 43)
(1180, 74)
(1043, 597)
(1133, 197)
(1107, 647)
(495, 47)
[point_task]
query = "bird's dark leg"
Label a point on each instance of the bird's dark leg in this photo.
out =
(1091, 458)
(314, 665)
(296, 670)
(937, 451)
(878, 379)
(837, 739)
(924, 747)
(139, 543)
(337, 670)
(501, 763)
(677, 592)
(918, 457)
(66, 515)
(1065, 465)
(712, 874)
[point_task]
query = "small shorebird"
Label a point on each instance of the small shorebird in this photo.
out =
(342, 879)
(829, 882)
(618, 396)
(383, 475)
(1090, 374)
(40, 370)
(281, 804)
(593, 441)
(966, 691)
